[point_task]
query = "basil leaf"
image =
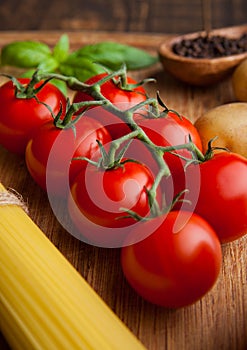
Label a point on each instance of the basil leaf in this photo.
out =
(61, 49)
(113, 55)
(49, 65)
(81, 68)
(24, 54)
(61, 85)
(28, 73)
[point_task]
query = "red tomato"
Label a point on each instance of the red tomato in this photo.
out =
(174, 266)
(99, 199)
(122, 99)
(222, 195)
(50, 151)
(20, 116)
(172, 130)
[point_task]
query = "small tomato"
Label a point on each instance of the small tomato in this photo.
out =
(177, 264)
(20, 117)
(50, 152)
(221, 198)
(100, 200)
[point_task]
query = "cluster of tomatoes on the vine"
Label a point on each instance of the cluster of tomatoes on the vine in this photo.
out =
(171, 242)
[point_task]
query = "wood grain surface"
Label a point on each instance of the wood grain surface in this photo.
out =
(218, 320)
(158, 16)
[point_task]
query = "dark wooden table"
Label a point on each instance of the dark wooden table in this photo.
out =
(157, 16)
(217, 321)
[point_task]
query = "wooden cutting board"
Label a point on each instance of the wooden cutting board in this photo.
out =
(217, 321)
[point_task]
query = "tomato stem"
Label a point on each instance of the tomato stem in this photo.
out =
(115, 144)
(210, 150)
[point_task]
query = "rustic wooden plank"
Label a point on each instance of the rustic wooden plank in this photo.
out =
(170, 16)
(217, 321)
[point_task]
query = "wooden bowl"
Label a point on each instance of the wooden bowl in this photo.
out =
(201, 71)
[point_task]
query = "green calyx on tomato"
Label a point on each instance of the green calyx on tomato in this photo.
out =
(124, 84)
(211, 149)
(166, 110)
(69, 119)
(30, 89)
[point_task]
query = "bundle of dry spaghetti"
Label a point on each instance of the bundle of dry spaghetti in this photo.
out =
(44, 302)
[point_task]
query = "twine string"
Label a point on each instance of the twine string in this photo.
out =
(12, 197)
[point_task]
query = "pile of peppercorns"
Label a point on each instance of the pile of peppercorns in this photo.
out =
(208, 46)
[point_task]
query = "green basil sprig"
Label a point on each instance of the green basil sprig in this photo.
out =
(113, 55)
(82, 64)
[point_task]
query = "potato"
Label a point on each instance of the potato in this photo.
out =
(229, 123)
(239, 82)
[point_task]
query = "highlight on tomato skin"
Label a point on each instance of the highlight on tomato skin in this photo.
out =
(177, 264)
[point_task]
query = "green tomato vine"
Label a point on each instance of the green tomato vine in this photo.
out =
(152, 108)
